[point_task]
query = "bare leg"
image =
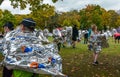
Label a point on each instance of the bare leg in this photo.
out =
(74, 44)
(115, 41)
(95, 57)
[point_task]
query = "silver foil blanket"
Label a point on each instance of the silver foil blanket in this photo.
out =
(25, 51)
(95, 43)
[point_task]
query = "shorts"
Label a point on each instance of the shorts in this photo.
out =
(74, 39)
(117, 38)
(94, 47)
(7, 72)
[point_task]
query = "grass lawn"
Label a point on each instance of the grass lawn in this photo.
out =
(78, 62)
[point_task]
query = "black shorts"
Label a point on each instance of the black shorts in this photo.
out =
(74, 39)
(7, 72)
(117, 38)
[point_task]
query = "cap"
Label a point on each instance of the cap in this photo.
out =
(28, 22)
(9, 25)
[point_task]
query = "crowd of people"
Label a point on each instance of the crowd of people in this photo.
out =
(63, 37)
(95, 39)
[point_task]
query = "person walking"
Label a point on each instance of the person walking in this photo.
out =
(95, 45)
(57, 37)
(74, 35)
(86, 37)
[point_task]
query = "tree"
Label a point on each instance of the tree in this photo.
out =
(1, 16)
(19, 18)
(23, 3)
(42, 14)
(5, 17)
(118, 22)
(91, 15)
(69, 18)
(1, 2)
(113, 18)
(105, 19)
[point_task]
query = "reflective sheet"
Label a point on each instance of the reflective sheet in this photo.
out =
(25, 51)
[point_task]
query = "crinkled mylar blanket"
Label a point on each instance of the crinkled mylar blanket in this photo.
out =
(25, 51)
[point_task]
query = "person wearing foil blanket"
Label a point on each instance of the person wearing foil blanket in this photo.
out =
(95, 43)
(8, 27)
(26, 27)
(27, 55)
(57, 36)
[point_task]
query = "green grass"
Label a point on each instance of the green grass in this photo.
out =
(78, 62)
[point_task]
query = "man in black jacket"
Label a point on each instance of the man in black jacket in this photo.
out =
(74, 35)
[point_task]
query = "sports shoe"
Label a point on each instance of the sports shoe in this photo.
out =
(95, 63)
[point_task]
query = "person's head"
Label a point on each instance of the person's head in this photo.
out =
(74, 26)
(94, 27)
(28, 24)
(45, 26)
(8, 26)
(55, 26)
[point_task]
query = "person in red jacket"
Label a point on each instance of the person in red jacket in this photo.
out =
(117, 37)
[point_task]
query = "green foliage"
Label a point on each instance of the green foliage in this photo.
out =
(66, 22)
(69, 18)
(43, 14)
(118, 21)
(94, 14)
(23, 3)
(105, 18)
(54, 1)
(6, 16)
(19, 18)
(91, 14)
(1, 2)
(33, 4)
(113, 18)
(1, 14)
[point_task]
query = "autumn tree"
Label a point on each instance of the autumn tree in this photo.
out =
(69, 18)
(117, 23)
(40, 11)
(33, 4)
(113, 18)
(43, 14)
(1, 16)
(89, 15)
(105, 19)
(20, 17)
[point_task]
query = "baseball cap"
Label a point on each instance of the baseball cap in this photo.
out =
(28, 22)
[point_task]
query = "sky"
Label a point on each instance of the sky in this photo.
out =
(67, 5)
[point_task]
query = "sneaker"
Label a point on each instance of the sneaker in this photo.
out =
(74, 47)
(95, 63)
